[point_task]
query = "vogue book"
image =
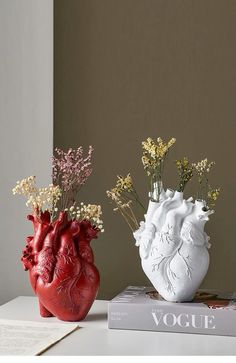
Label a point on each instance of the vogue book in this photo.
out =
(142, 308)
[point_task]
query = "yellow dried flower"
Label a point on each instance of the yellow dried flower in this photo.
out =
(124, 183)
(122, 196)
(212, 196)
(205, 192)
(156, 151)
(154, 154)
(185, 171)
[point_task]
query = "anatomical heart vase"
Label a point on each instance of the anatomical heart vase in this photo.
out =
(58, 255)
(173, 245)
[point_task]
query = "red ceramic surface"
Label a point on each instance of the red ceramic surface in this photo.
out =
(61, 266)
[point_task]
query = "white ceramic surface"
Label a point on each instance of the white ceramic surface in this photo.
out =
(173, 246)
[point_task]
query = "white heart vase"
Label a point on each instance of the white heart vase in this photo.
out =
(173, 245)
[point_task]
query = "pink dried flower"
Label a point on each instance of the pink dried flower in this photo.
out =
(71, 169)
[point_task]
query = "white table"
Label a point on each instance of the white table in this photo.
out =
(94, 338)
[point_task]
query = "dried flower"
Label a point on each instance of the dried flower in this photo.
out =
(154, 154)
(205, 191)
(212, 196)
(25, 186)
(203, 167)
(91, 212)
(124, 207)
(157, 151)
(70, 171)
(124, 183)
(113, 194)
(38, 199)
(123, 195)
(185, 171)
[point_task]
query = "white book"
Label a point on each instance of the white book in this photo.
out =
(142, 308)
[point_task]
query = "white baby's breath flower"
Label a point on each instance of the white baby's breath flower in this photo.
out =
(90, 212)
(38, 199)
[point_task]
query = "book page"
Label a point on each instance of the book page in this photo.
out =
(30, 338)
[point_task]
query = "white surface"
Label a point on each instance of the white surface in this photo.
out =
(94, 338)
(26, 124)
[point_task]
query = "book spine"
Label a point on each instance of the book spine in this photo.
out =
(165, 319)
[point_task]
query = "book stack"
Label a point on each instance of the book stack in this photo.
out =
(142, 308)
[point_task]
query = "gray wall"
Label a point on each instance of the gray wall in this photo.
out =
(26, 124)
(129, 69)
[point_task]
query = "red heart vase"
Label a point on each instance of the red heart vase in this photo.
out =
(61, 266)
